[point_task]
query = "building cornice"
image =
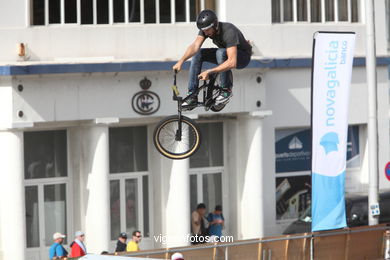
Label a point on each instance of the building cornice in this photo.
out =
(129, 66)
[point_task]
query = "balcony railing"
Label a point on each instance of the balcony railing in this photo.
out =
(95, 12)
(316, 11)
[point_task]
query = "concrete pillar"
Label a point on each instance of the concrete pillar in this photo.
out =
(12, 201)
(96, 198)
(250, 171)
(177, 209)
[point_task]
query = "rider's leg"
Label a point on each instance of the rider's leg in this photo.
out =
(204, 54)
(195, 68)
(243, 59)
(226, 76)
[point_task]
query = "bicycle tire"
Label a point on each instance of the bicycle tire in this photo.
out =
(164, 137)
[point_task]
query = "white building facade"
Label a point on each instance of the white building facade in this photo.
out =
(83, 83)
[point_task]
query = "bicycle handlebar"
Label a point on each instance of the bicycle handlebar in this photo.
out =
(174, 87)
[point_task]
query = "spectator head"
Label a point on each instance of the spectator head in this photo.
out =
(104, 253)
(122, 237)
(58, 237)
(177, 256)
(218, 209)
(201, 208)
(137, 236)
(79, 235)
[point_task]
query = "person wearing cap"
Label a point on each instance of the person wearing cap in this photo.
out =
(121, 243)
(132, 246)
(57, 251)
(177, 256)
(233, 51)
(77, 247)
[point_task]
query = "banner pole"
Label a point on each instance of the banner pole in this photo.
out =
(312, 248)
(372, 111)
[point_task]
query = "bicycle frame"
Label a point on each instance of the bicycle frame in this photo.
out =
(179, 100)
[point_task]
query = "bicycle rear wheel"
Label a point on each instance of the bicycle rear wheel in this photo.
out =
(166, 141)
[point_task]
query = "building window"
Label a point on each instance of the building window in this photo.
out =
(32, 216)
(205, 188)
(119, 14)
(129, 180)
(70, 11)
(102, 11)
(54, 196)
(45, 12)
(315, 11)
(128, 149)
(207, 169)
(129, 203)
(86, 11)
(46, 182)
(210, 152)
(45, 154)
(54, 11)
(52, 216)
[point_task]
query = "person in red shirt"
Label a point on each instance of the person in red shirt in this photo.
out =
(77, 246)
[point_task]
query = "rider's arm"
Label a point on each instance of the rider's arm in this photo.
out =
(229, 64)
(191, 51)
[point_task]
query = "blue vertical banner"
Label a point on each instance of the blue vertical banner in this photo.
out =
(331, 79)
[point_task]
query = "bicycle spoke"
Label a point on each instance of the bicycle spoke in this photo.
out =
(168, 140)
(173, 146)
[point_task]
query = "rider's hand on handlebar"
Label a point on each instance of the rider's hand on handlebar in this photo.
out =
(204, 75)
(177, 66)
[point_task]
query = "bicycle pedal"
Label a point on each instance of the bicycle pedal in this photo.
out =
(188, 107)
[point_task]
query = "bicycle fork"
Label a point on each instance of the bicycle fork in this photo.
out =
(179, 126)
(179, 100)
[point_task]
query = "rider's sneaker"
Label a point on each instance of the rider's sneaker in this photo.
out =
(223, 97)
(190, 103)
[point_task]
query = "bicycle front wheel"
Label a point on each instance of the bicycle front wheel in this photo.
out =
(168, 142)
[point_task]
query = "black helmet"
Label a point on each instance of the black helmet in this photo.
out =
(206, 19)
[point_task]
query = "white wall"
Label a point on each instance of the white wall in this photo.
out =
(81, 97)
(248, 12)
(161, 42)
(14, 14)
(167, 41)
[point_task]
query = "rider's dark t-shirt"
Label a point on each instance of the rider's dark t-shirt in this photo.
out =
(229, 35)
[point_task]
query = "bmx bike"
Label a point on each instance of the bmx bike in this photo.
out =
(178, 136)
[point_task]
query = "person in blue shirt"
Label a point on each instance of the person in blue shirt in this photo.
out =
(216, 223)
(57, 251)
